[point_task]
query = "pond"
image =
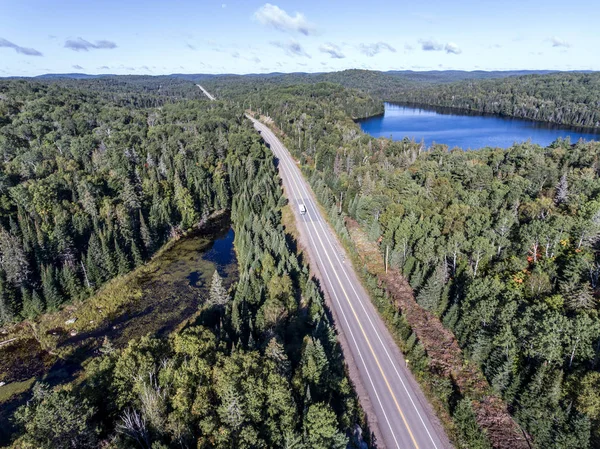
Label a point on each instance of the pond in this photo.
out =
(468, 131)
(162, 296)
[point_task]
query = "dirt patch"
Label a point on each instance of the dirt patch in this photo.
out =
(26, 359)
(441, 345)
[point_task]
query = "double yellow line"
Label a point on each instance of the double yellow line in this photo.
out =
(294, 175)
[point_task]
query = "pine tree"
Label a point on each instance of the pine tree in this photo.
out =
(562, 190)
(12, 258)
(95, 265)
(123, 263)
(582, 298)
(145, 234)
(276, 352)
(107, 258)
(430, 295)
(321, 429)
(69, 282)
(218, 295)
(32, 304)
(107, 346)
(8, 309)
(137, 255)
(185, 204)
(129, 196)
(469, 430)
(49, 287)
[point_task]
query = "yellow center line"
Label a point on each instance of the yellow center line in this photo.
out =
(360, 325)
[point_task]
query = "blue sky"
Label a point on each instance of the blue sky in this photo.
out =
(184, 36)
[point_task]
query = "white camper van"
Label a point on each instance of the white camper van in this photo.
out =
(302, 209)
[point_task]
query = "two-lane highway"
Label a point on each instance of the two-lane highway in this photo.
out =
(403, 419)
(402, 415)
(205, 92)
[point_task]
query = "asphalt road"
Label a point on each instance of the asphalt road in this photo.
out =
(403, 417)
(206, 92)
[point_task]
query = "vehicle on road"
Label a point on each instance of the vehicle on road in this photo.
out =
(302, 209)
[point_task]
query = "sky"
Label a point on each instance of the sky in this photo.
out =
(186, 36)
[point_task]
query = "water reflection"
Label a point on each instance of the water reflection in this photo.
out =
(466, 130)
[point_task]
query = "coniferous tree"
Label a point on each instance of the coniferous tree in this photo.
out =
(218, 295)
(52, 295)
(32, 304)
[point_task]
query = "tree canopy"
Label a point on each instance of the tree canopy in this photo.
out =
(501, 245)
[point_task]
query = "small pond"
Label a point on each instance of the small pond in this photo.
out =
(168, 292)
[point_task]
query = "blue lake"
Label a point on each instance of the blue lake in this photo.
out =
(467, 131)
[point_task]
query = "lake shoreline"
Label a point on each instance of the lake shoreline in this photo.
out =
(465, 129)
(448, 110)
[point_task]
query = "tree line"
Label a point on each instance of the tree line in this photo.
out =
(502, 245)
(561, 98)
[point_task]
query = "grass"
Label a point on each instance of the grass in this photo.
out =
(289, 222)
(13, 389)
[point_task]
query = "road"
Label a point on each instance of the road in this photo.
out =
(206, 92)
(403, 417)
(398, 412)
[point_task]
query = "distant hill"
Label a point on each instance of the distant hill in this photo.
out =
(457, 75)
(70, 75)
(383, 85)
(429, 76)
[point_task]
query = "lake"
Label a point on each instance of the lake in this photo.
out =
(467, 131)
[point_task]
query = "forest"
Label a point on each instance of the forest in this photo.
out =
(93, 184)
(571, 99)
(501, 245)
(91, 187)
(380, 85)
(561, 98)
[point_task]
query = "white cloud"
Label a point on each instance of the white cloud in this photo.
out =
(276, 17)
(80, 44)
(452, 48)
(430, 45)
(373, 49)
(556, 42)
(291, 48)
(251, 58)
(21, 50)
(333, 50)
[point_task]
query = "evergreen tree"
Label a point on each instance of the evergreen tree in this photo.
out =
(320, 428)
(123, 263)
(52, 294)
(57, 420)
(430, 295)
(466, 421)
(145, 234)
(70, 282)
(8, 309)
(218, 295)
(32, 304)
